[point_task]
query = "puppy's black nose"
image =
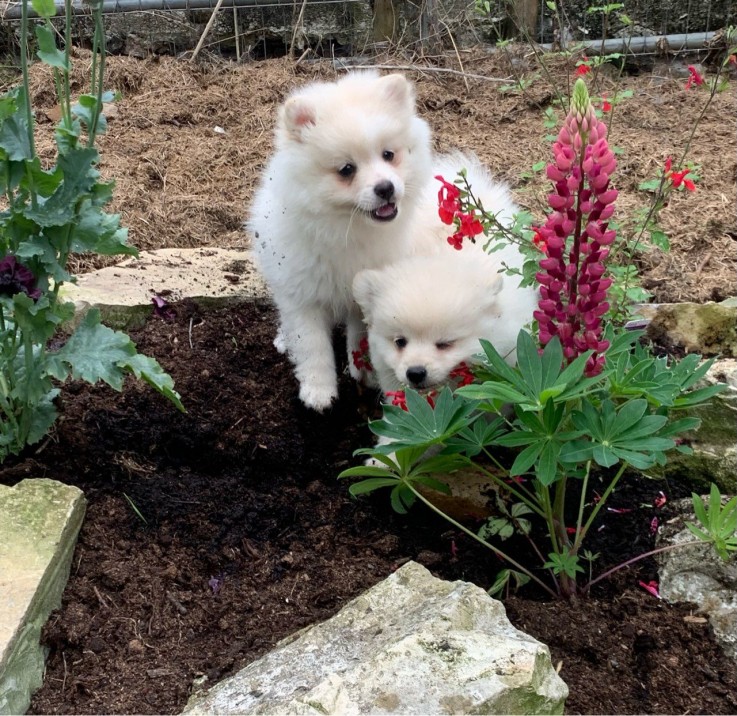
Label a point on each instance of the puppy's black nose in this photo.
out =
(416, 374)
(384, 190)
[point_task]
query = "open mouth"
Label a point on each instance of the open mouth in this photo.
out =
(386, 212)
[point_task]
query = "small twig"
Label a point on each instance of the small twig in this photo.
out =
(458, 55)
(347, 68)
(191, 320)
(177, 604)
(702, 264)
(237, 34)
(206, 31)
(100, 598)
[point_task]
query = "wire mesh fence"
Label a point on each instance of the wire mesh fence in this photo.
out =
(267, 28)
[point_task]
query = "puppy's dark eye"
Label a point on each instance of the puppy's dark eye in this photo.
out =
(387, 155)
(444, 345)
(400, 342)
(347, 171)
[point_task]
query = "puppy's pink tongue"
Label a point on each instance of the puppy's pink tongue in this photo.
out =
(385, 211)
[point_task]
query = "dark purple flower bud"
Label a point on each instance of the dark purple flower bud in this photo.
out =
(16, 278)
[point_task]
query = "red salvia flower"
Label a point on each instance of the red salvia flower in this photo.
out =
(651, 586)
(605, 105)
(694, 78)
(398, 398)
(583, 67)
(361, 358)
(448, 201)
(463, 374)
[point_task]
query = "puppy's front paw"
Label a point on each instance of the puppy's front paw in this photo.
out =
(317, 397)
(280, 342)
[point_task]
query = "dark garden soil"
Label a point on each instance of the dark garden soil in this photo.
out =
(210, 536)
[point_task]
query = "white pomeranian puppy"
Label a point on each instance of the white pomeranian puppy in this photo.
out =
(425, 315)
(349, 187)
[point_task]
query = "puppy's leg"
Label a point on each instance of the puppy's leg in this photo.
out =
(280, 341)
(308, 335)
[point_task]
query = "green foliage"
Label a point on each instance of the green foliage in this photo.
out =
(47, 215)
(562, 422)
(718, 523)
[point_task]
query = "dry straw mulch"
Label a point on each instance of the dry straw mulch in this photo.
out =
(186, 143)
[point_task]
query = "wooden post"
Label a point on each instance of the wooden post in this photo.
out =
(525, 16)
(385, 21)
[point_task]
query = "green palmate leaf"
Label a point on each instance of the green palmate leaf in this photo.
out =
(14, 138)
(48, 52)
(87, 110)
(367, 486)
(366, 470)
(43, 416)
(499, 366)
(79, 178)
(526, 459)
(529, 363)
(95, 352)
(41, 257)
(402, 499)
(148, 369)
(491, 390)
(34, 319)
(546, 469)
(44, 8)
(434, 484)
(96, 231)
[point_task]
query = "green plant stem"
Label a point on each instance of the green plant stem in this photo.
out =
(67, 61)
(600, 504)
(639, 557)
(581, 505)
(521, 494)
(98, 86)
(24, 71)
(478, 539)
(549, 518)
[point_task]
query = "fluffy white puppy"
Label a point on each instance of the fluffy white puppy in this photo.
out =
(425, 315)
(340, 194)
(350, 187)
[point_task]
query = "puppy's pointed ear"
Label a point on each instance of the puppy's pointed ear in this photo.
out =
(365, 291)
(298, 114)
(398, 90)
(492, 286)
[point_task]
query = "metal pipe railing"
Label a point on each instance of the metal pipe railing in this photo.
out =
(12, 10)
(641, 44)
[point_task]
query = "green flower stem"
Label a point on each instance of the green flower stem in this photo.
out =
(521, 494)
(67, 106)
(639, 557)
(549, 519)
(24, 70)
(474, 536)
(98, 85)
(599, 505)
(581, 505)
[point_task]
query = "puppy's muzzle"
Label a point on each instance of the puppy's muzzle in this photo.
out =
(387, 211)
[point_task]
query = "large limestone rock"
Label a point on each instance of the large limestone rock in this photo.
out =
(39, 522)
(709, 329)
(697, 574)
(412, 644)
(714, 443)
(124, 292)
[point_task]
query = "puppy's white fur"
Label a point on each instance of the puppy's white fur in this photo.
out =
(425, 315)
(315, 229)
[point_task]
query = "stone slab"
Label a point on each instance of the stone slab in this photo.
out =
(124, 292)
(39, 523)
(412, 644)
